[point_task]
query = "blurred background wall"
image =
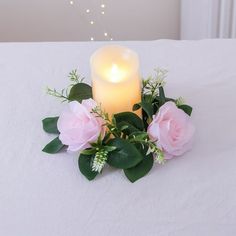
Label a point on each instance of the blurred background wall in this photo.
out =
(208, 19)
(82, 20)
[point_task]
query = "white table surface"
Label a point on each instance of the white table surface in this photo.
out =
(45, 195)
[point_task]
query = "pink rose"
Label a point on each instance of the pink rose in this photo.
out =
(171, 130)
(79, 127)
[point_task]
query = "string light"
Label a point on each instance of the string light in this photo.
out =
(100, 22)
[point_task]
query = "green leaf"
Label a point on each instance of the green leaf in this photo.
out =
(125, 156)
(50, 125)
(130, 128)
(170, 99)
(139, 135)
(187, 109)
(162, 97)
(147, 107)
(109, 148)
(106, 138)
(140, 170)
(136, 106)
(124, 127)
(89, 151)
(147, 98)
(80, 92)
(85, 166)
(129, 119)
(54, 146)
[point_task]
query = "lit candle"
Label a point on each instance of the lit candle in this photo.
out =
(116, 81)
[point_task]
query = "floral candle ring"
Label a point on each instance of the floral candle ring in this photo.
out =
(130, 137)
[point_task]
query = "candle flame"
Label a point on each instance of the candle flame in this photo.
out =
(114, 69)
(116, 74)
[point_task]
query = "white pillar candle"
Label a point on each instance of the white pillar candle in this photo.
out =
(116, 81)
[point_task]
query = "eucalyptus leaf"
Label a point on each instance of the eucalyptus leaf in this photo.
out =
(140, 135)
(50, 125)
(142, 168)
(162, 98)
(54, 146)
(170, 99)
(147, 107)
(85, 166)
(130, 120)
(89, 151)
(125, 156)
(106, 138)
(129, 128)
(110, 148)
(147, 98)
(124, 127)
(136, 106)
(186, 108)
(80, 92)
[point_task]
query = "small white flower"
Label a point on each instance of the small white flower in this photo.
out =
(159, 158)
(99, 161)
(179, 101)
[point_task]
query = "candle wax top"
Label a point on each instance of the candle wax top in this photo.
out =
(114, 63)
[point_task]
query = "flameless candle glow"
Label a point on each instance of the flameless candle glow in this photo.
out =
(116, 79)
(115, 74)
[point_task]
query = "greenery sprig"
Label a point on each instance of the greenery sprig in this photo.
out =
(99, 151)
(74, 78)
(63, 94)
(152, 84)
(143, 139)
(111, 124)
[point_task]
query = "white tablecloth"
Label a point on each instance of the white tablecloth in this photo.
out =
(45, 195)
